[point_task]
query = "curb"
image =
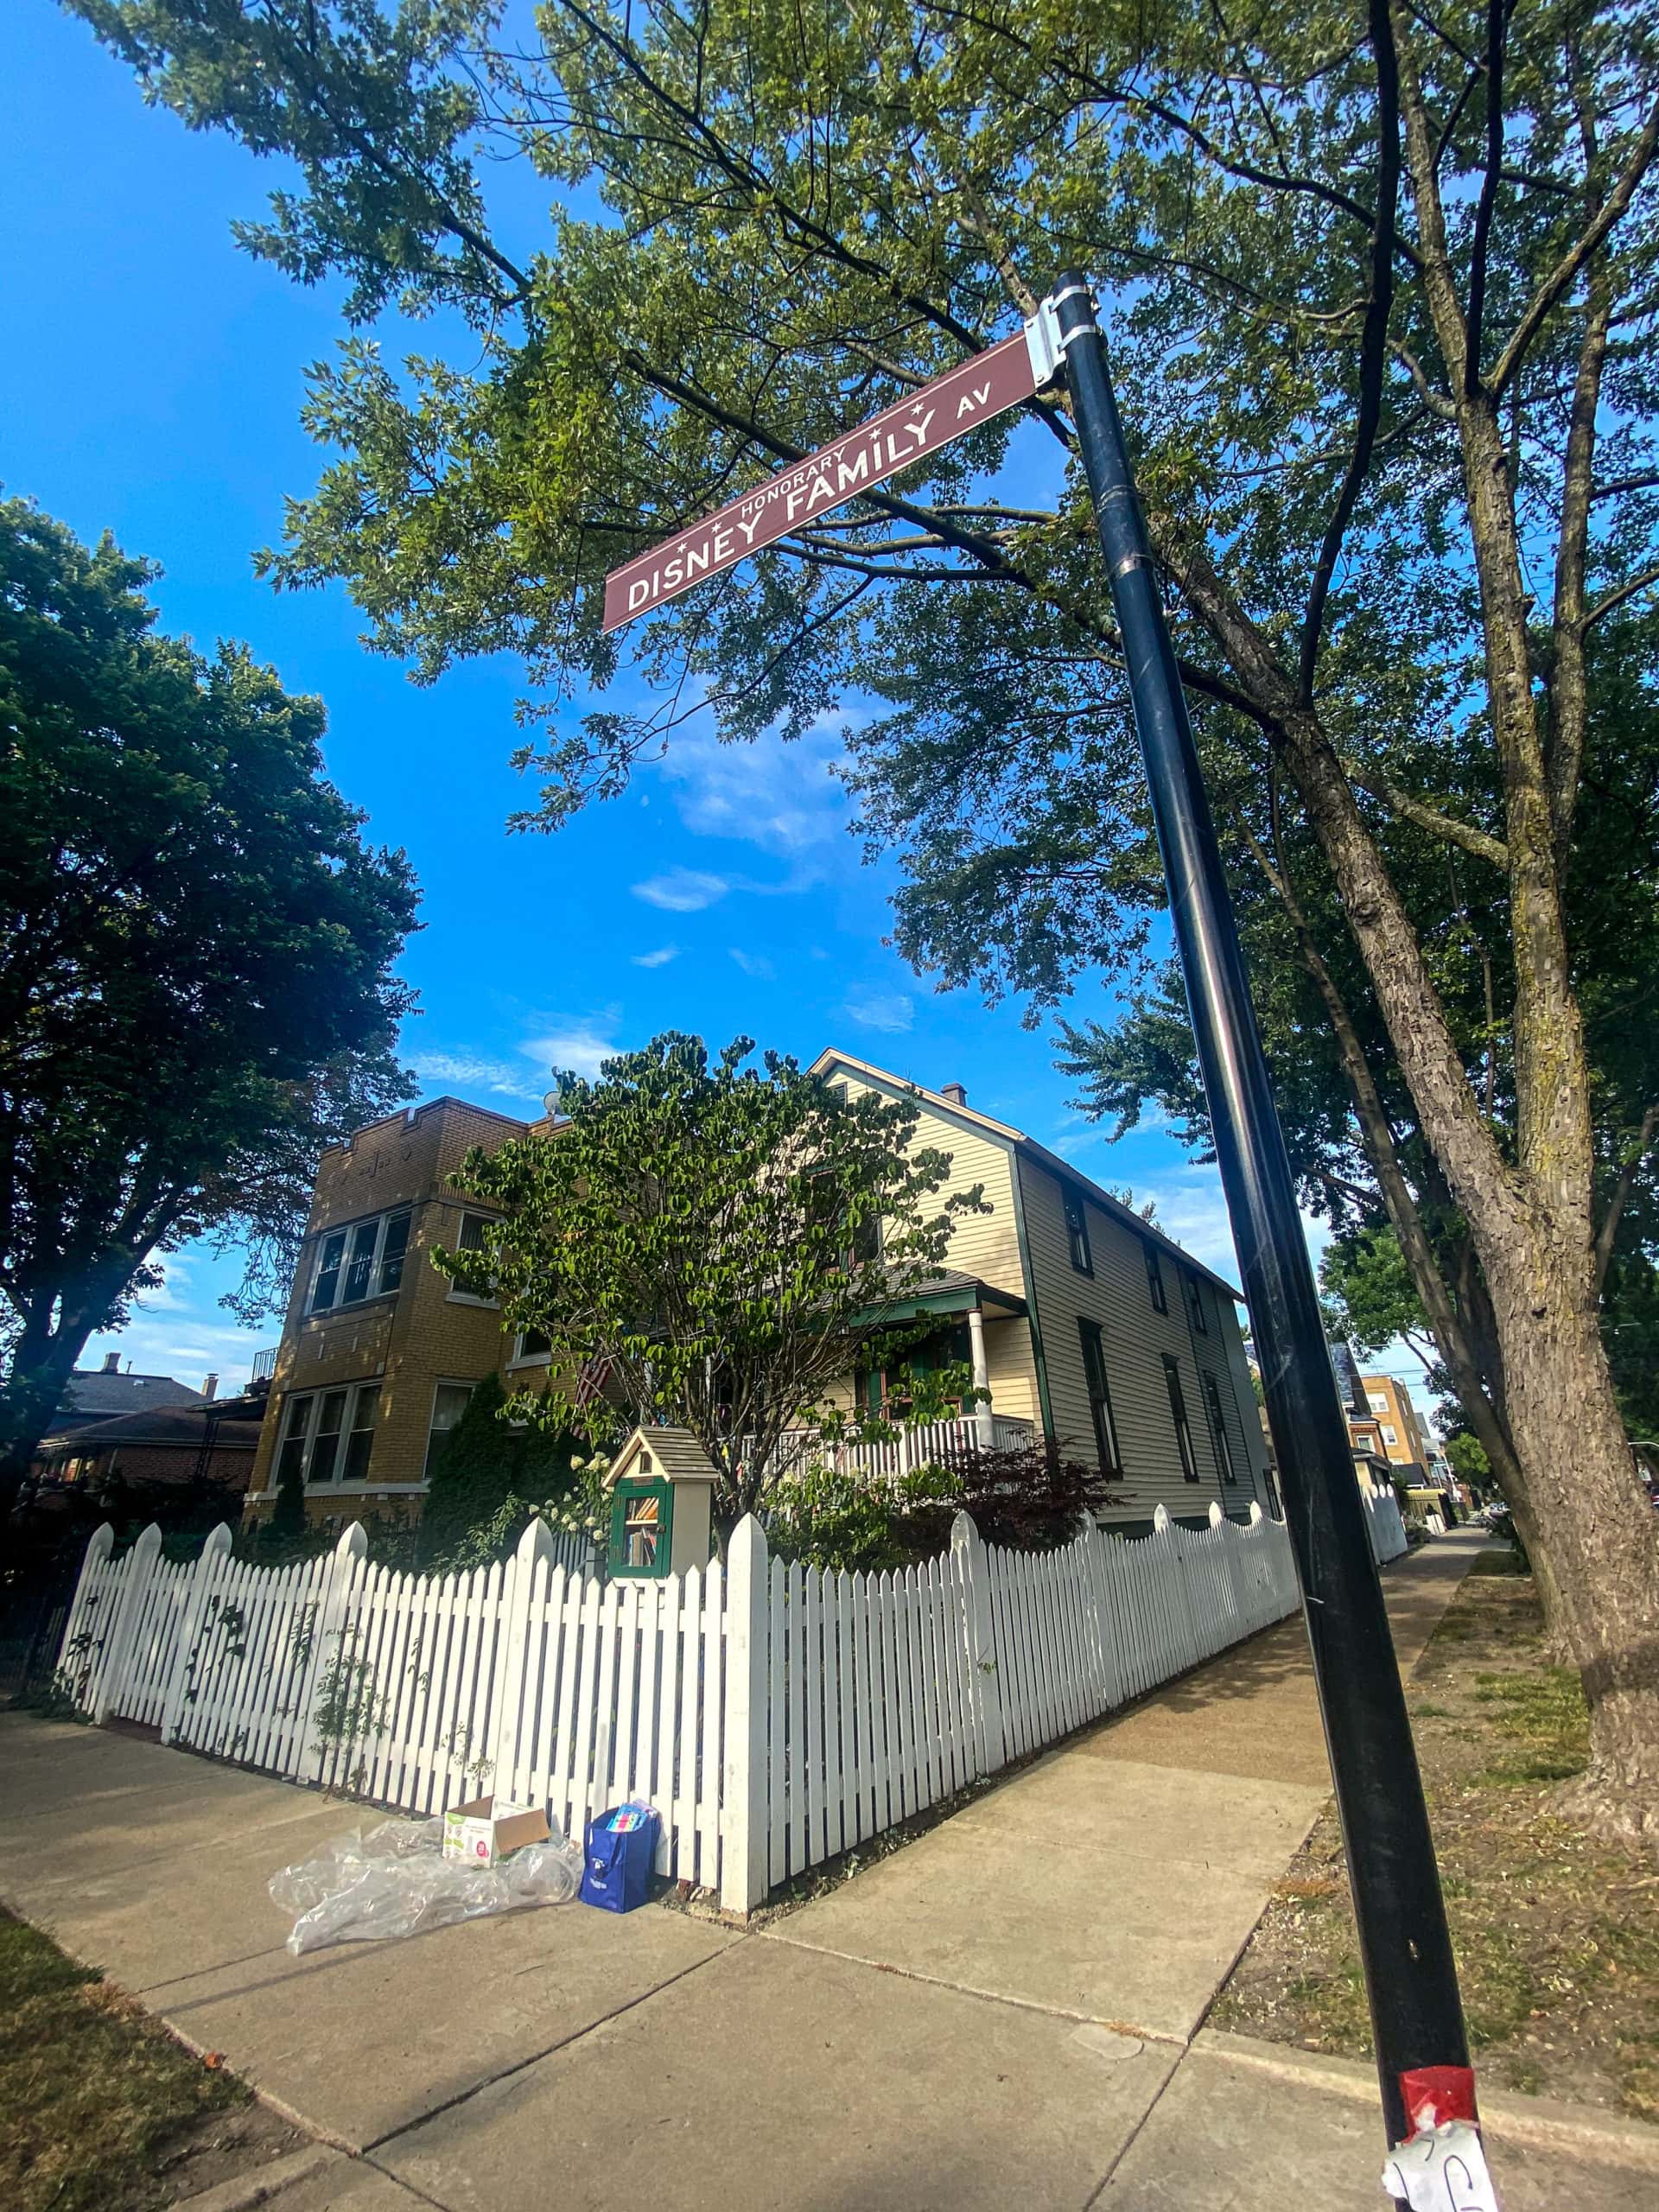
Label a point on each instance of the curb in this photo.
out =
(1607, 2138)
(243, 2191)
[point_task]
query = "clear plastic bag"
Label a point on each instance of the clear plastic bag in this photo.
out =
(395, 1881)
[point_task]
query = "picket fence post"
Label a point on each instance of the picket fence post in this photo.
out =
(100, 1545)
(352, 1547)
(191, 1616)
(535, 1547)
(984, 1686)
(141, 1565)
(744, 1873)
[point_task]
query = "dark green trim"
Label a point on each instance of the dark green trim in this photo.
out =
(1029, 1284)
(960, 1299)
(631, 1486)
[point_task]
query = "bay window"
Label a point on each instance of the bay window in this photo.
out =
(327, 1435)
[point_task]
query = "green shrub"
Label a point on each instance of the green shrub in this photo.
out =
(487, 1479)
(1030, 1500)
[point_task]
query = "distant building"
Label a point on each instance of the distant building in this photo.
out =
(212, 1440)
(1394, 1432)
(1370, 1467)
(94, 1393)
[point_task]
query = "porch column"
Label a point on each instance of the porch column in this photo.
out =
(981, 1378)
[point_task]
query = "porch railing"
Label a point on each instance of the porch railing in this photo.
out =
(937, 1443)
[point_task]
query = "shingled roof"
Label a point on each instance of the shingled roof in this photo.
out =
(93, 1395)
(675, 1452)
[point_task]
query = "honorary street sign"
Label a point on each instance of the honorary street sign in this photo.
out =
(951, 405)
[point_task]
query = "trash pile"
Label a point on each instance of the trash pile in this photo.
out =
(396, 1880)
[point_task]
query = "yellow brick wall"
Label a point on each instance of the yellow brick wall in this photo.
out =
(422, 1334)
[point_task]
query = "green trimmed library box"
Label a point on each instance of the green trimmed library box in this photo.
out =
(662, 1504)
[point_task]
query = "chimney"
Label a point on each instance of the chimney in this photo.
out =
(209, 1385)
(955, 1092)
(111, 1363)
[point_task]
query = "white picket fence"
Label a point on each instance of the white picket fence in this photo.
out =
(1385, 1525)
(775, 1715)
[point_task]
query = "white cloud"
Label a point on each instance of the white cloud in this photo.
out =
(164, 1336)
(1076, 1141)
(473, 1073)
(580, 1046)
(754, 964)
(780, 797)
(660, 958)
(887, 1010)
(683, 890)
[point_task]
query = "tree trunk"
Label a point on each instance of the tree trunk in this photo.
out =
(1578, 1488)
(42, 1360)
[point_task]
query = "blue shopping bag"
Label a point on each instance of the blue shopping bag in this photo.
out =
(621, 1846)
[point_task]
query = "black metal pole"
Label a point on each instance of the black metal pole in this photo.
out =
(1410, 1973)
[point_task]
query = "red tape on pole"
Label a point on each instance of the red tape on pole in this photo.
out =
(1445, 2092)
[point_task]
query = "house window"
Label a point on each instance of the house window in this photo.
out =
(1378, 1402)
(449, 1404)
(327, 1436)
(393, 1245)
(1177, 1415)
(290, 1453)
(530, 1349)
(1100, 1399)
(1218, 1436)
(326, 1288)
(1155, 1277)
(473, 1236)
(363, 1262)
(1389, 1436)
(1077, 1235)
(1195, 1305)
(359, 1437)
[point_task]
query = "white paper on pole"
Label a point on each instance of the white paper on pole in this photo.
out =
(1442, 2169)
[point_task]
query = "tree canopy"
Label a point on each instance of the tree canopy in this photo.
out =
(196, 950)
(714, 1245)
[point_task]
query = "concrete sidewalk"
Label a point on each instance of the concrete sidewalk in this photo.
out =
(1003, 2011)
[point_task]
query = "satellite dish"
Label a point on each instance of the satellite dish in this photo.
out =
(550, 1103)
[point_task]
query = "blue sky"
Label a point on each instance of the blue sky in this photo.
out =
(150, 382)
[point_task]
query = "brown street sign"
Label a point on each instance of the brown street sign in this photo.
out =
(951, 405)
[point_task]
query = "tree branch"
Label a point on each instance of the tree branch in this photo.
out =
(1566, 680)
(1566, 269)
(1445, 826)
(1620, 485)
(1373, 345)
(1497, 24)
(1613, 598)
(1609, 1230)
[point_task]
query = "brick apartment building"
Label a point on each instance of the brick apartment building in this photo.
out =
(1392, 1430)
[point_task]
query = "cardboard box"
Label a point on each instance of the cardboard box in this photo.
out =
(488, 1830)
